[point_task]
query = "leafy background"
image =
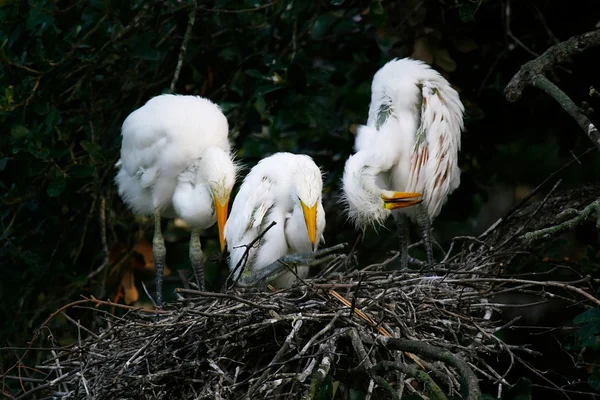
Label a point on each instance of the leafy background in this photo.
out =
(290, 76)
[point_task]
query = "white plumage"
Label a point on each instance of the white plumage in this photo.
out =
(284, 188)
(409, 146)
(176, 161)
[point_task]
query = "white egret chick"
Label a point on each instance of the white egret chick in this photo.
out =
(286, 189)
(407, 153)
(176, 160)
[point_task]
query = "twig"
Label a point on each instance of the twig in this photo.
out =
(184, 44)
(243, 260)
(296, 325)
(470, 379)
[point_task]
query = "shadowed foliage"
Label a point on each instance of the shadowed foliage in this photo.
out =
(290, 76)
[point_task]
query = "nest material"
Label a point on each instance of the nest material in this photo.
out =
(383, 333)
(263, 345)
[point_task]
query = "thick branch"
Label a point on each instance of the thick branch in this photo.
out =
(469, 378)
(384, 366)
(540, 81)
(554, 55)
(532, 73)
(579, 217)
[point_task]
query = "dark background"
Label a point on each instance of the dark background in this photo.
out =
(290, 76)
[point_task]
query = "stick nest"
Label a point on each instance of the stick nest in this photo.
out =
(386, 334)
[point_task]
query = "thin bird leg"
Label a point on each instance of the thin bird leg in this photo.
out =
(252, 277)
(197, 257)
(425, 224)
(159, 253)
(403, 235)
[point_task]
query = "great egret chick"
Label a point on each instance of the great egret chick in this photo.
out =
(176, 160)
(407, 154)
(284, 188)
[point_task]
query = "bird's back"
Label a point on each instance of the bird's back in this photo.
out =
(160, 140)
(417, 116)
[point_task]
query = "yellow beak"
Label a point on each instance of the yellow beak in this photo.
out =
(401, 200)
(221, 219)
(310, 217)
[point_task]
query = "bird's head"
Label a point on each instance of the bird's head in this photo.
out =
(309, 187)
(220, 172)
(366, 203)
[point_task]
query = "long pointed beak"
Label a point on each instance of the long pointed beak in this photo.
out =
(395, 200)
(310, 217)
(221, 219)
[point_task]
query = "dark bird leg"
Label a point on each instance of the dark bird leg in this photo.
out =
(403, 235)
(159, 253)
(425, 225)
(197, 258)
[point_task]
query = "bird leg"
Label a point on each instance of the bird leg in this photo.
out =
(425, 224)
(159, 253)
(197, 257)
(403, 235)
(268, 273)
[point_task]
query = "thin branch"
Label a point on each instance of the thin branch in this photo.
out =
(184, 44)
(569, 106)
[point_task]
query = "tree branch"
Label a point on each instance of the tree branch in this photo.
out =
(532, 74)
(541, 82)
(469, 378)
(554, 55)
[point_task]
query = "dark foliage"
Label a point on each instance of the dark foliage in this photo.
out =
(291, 76)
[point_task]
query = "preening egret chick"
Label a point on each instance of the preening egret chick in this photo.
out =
(284, 188)
(176, 160)
(409, 148)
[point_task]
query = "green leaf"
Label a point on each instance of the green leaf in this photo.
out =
(92, 148)
(19, 131)
(336, 2)
(56, 186)
(3, 162)
(322, 25)
(229, 53)
(594, 380)
(228, 106)
(377, 8)
(468, 10)
(254, 73)
(82, 171)
(591, 315)
(326, 391)
(357, 394)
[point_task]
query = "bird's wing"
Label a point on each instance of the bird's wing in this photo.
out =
(433, 165)
(248, 217)
(143, 142)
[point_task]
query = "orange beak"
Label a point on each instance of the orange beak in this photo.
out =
(310, 217)
(401, 200)
(221, 219)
